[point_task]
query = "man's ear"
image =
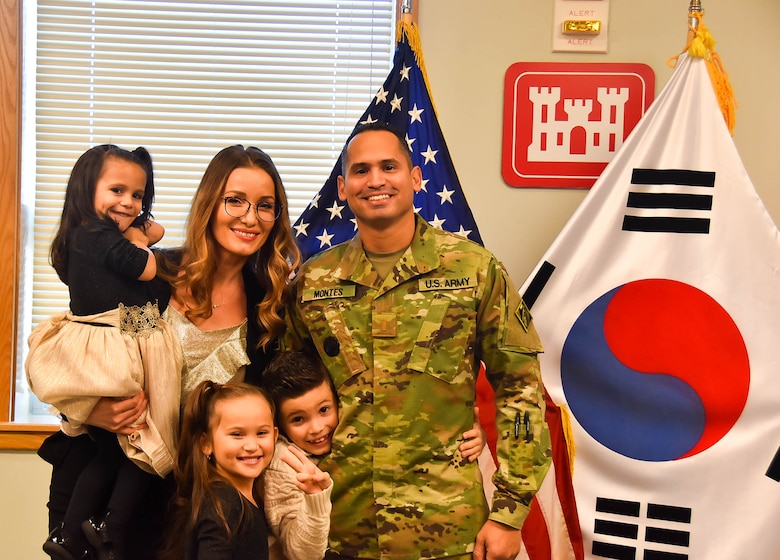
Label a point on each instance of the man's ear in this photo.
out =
(417, 178)
(342, 188)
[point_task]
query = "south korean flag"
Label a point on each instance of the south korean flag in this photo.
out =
(659, 309)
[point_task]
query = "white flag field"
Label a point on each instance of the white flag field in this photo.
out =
(658, 306)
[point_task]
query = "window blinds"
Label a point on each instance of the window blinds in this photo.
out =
(184, 80)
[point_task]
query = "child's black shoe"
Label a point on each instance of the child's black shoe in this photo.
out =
(60, 547)
(97, 532)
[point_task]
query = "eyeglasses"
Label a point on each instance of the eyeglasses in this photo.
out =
(237, 207)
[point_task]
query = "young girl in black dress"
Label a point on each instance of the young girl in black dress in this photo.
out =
(111, 343)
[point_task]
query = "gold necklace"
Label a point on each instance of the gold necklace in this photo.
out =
(221, 297)
(221, 303)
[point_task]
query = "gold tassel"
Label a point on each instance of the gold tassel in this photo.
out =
(722, 85)
(702, 46)
(409, 29)
(568, 435)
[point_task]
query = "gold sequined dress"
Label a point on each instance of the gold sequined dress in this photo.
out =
(218, 355)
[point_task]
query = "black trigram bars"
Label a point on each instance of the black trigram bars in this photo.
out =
(538, 283)
(661, 201)
(773, 471)
(617, 529)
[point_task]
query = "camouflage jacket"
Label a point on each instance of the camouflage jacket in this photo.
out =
(404, 354)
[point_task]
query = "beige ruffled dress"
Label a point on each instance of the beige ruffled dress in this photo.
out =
(76, 360)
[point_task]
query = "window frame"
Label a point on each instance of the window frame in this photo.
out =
(13, 435)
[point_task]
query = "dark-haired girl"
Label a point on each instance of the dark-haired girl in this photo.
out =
(227, 440)
(112, 343)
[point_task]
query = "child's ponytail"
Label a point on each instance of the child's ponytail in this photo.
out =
(144, 159)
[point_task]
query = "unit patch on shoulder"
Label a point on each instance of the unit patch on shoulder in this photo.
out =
(523, 315)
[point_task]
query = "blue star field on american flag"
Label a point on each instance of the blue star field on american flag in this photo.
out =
(404, 102)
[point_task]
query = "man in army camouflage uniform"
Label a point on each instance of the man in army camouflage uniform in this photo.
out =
(402, 315)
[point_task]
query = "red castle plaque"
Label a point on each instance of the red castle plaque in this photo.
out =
(563, 122)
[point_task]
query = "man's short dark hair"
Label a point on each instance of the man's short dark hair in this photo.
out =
(376, 126)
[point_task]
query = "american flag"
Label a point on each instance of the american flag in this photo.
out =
(405, 103)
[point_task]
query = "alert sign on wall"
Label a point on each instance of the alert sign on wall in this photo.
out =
(563, 122)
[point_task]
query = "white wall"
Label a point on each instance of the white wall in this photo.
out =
(468, 46)
(24, 489)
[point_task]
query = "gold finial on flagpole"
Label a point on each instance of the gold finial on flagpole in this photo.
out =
(406, 11)
(693, 22)
(700, 44)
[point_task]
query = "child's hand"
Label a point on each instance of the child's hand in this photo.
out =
(310, 478)
(147, 234)
(474, 440)
(154, 232)
(137, 236)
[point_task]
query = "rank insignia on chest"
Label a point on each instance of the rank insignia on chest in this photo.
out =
(384, 325)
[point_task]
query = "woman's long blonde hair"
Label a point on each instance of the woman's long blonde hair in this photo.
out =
(273, 264)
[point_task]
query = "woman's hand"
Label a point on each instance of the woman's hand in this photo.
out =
(118, 415)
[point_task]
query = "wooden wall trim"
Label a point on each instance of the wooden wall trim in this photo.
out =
(24, 437)
(10, 165)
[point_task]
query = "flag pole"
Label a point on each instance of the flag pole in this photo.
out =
(408, 13)
(701, 44)
(693, 21)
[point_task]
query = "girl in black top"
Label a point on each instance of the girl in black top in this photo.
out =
(227, 440)
(111, 343)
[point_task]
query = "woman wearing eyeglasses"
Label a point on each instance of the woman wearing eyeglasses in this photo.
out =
(229, 280)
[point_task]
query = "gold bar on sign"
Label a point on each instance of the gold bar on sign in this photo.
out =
(582, 26)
